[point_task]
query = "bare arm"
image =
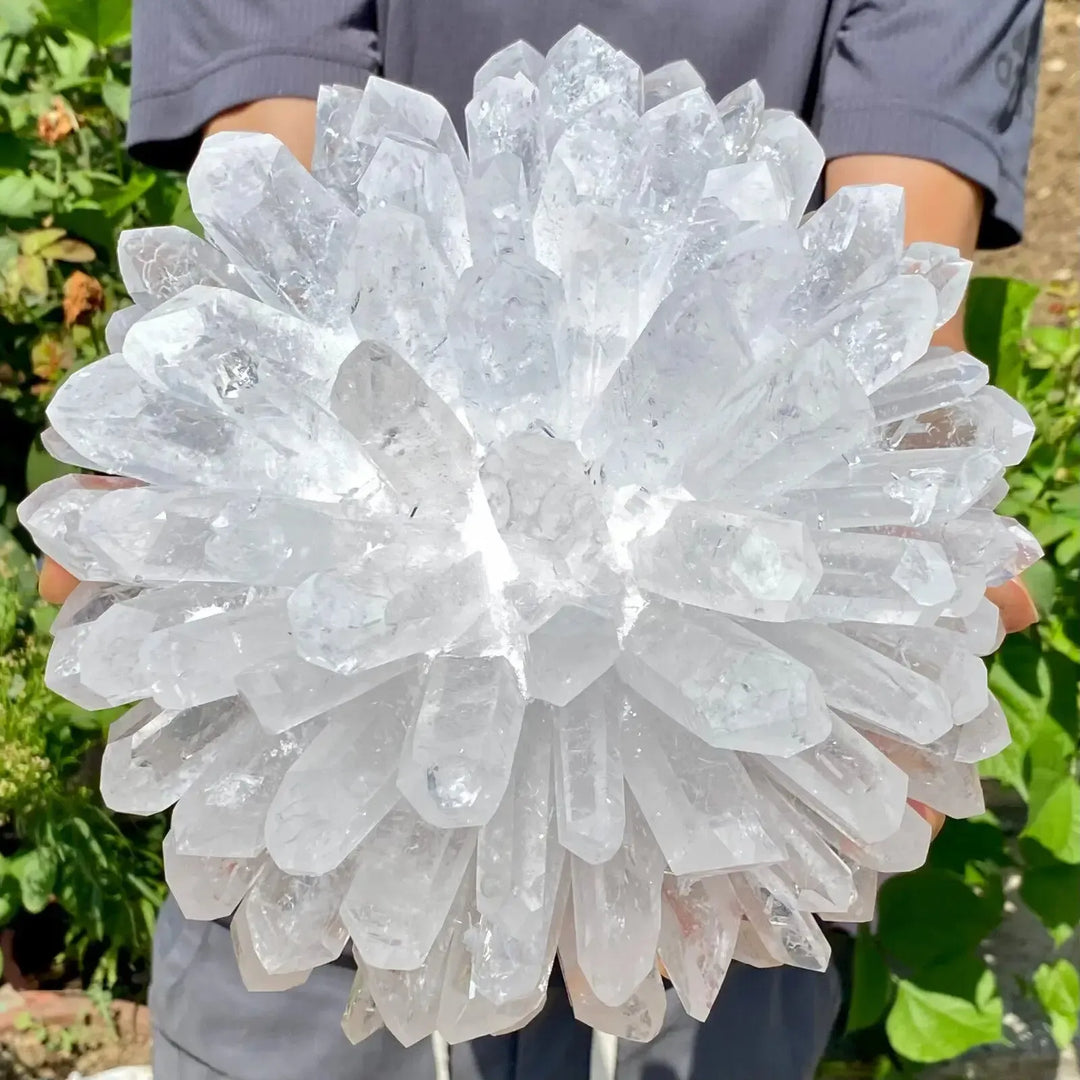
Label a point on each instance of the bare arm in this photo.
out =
(292, 120)
(942, 206)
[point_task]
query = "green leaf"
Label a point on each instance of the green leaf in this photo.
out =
(117, 98)
(1058, 990)
(70, 250)
(17, 16)
(18, 196)
(104, 22)
(1041, 581)
(10, 895)
(42, 467)
(1055, 823)
(925, 1026)
(871, 983)
(132, 191)
(911, 929)
(995, 322)
(37, 240)
(35, 871)
(15, 563)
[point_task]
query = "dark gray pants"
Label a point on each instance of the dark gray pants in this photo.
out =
(766, 1025)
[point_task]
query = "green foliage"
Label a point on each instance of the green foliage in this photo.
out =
(66, 191)
(921, 990)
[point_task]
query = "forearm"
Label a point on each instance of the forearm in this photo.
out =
(292, 120)
(941, 206)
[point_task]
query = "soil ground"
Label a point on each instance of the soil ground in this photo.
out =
(1050, 252)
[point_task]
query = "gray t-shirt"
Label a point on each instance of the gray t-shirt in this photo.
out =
(951, 81)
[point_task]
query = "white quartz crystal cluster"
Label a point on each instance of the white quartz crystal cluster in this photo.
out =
(566, 547)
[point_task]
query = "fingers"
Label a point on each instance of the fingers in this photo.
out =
(55, 584)
(1018, 610)
(936, 819)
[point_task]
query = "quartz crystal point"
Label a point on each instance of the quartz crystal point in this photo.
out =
(568, 546)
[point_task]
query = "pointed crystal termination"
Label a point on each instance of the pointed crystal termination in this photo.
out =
(626, 888)
(981, 631)
(669, 387)
(286, 690)
(637, 1018)
(698, 801)
(568, 653)
(225, 817)
(581, 71)
(206, 888)
(405, 290)
(361, 1018)
(880, 579)
(154, 755)
(504, 118)
(519, 57)
(819, 878)
(863, 683)
(935, 777)
(497, 210)
(848, 781)
(884, 331)
(160, 263)
(336, 160)
(511, 851)
(854, 243)
(789, 935)
(465, 1014)
(756, 565)
(344, 783)
(945, 269)
(588, 772)
(419, 180)
(813, 412)
(261, 207)
(376, 614)
(699, 926)
(721, 682)
(255, 977)
(292, 922)
(905, 850)
(989, 419)
(408, 875)
(235, 353)
(940, 378)
(519, 869)
(458, 754)
(116, 331)
(670, 81)
(984, 736)
(934, 655)
(409, 432)
(408, 1000)
(388, 109)
(71, 632)
(788, 143)
(500, 336)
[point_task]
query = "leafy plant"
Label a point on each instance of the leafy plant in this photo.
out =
(66, 190)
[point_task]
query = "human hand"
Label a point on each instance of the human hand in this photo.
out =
(54, 583)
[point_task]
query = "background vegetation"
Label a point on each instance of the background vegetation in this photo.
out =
(86, 883)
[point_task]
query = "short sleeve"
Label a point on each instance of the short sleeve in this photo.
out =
(192, 59)
(951, 81)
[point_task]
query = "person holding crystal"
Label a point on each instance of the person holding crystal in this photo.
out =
(936, 98)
